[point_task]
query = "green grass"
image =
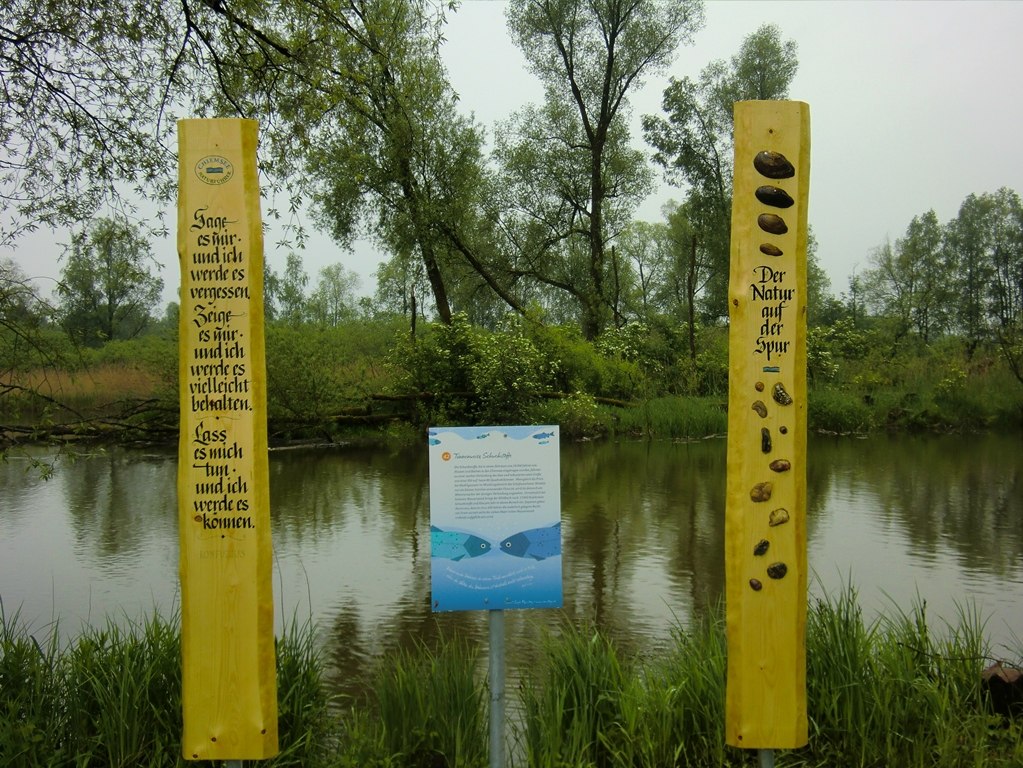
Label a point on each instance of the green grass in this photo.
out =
(673, 418)
(893, 691)
(112, 697)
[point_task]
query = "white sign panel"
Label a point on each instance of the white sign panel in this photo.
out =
(495, 518)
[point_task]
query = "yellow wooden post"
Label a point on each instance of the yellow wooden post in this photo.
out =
(229, 686)
(765, 524)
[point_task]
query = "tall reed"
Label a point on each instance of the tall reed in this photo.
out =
(31, 699)
(572, 704)
(893, 691)
(112, 697)
(431, 708)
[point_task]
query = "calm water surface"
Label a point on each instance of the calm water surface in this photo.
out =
(904, 519)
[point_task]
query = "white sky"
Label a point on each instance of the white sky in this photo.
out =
(913, 106)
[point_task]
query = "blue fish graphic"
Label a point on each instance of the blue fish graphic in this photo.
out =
(537, 543)
(543, 435)
(434, 441)
(453, 545)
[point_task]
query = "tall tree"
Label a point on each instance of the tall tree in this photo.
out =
(922, 251)
(694, 145)
(969, 237)
(986, 239)
(544, 200)
(589, 55)
(332, 301)
(288, 292)
(85, 89)
(22, 314)
(107, 290)
(355, 110)
(362, 119)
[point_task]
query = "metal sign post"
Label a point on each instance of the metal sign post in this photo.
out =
(496, 689)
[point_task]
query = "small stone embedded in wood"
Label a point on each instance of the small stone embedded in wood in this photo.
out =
(770, 222)
(774, 196)
(761, 491)
(755, 585)
(769, 249)
(773, 165)
(760, 408)
(759, 386)
(765, 440)
(777, 570)
(780, 465)
(780, 395)
(761, 547)
(778, 517)
(783, 429)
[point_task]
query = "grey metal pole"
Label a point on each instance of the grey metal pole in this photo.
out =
(766, 758)
(497, 689)
(232, 764)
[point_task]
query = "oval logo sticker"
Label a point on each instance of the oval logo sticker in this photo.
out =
(214, 170)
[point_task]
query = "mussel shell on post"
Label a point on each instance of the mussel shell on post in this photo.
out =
(773, 165)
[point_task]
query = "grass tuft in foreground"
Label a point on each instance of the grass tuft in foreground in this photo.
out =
(892, 691)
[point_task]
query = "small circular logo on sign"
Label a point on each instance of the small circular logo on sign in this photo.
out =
(214, 170)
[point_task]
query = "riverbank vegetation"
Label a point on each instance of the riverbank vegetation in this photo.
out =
(881, 692)
(370, 378)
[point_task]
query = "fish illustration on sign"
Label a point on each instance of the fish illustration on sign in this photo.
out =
(537, 543)
(454, 545)
(543, 435)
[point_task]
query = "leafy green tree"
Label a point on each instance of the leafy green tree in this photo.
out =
(364, 122)
(693, 142)
(986, 240)
(22, 317)
(923, 248)
(590, 55)
(332, 302)
(286, 293)
(977, 243)
(909, 282)
(86, 87)
(106, 290)
(645, 245)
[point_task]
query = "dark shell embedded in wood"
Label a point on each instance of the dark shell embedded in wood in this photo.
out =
(770, 250)
(780, 395)
(773, 165)
(761, 548)
(777, 570)
(761, 491)
(755, 585)
(765, 441)
(774, 196)
(780, 465)
(778, 517)
(760, 408)
(770, 222)
(759, 386)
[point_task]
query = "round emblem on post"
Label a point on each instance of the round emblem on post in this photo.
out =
(214, 170)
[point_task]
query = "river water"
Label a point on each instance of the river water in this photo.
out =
(904, 519)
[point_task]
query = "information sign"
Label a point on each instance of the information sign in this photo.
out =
(495, 518)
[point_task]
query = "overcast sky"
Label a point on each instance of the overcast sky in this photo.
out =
(913, 106)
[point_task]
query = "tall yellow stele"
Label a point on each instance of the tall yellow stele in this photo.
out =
(229, 683)
(765, 523)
